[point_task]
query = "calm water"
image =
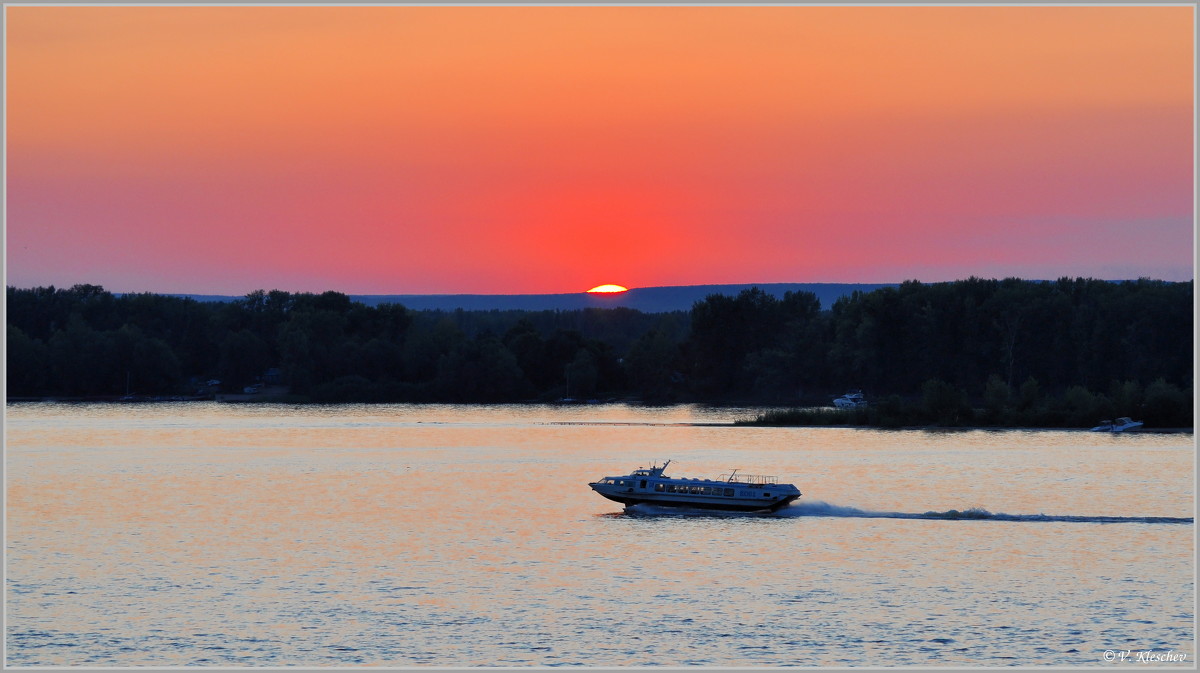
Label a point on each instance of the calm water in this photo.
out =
(206, 534)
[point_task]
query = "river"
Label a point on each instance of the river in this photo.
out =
(211, 534)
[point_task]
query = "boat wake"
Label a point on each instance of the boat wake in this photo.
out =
(818, 508)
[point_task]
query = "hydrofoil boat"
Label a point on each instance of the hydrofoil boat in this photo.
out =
(730, 492)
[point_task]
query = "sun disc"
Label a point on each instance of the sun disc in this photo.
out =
(607, 289)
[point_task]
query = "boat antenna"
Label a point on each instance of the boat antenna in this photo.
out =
(732, 474)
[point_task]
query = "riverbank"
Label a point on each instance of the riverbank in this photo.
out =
(945, 408)
(810, 418)
(972, 428)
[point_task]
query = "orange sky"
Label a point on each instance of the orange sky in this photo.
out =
(551, 149)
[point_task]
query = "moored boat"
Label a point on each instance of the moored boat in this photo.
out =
(851, 400)
(730, 492)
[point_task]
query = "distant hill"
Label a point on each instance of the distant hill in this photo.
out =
(645, 299)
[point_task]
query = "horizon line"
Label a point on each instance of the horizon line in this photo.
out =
(586, 293)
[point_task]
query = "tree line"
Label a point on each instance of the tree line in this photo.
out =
(988, 342)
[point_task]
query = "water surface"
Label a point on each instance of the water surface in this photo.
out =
(407, 535)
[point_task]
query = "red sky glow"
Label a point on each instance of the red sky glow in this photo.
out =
(507, 150)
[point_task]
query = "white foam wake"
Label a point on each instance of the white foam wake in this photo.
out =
(817, 508)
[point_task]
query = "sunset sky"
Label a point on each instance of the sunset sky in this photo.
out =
(507, 150)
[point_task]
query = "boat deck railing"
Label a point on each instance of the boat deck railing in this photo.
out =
(749, 478)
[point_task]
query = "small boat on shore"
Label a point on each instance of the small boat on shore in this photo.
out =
(851, 400)
(1120, 425)
(729, 492)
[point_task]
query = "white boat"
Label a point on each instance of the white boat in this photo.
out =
(851, 400)
(731, 492)
(1120, 425)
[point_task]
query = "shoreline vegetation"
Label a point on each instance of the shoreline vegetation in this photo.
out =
(969, 353)
(895, 414)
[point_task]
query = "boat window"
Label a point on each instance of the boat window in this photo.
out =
(658, 487)
(729, 491)
(643, 485)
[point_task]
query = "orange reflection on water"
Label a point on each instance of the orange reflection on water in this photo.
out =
(371, 537)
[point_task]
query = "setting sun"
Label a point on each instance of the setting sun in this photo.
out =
(608, 288)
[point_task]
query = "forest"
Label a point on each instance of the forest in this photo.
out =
(969, 352)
